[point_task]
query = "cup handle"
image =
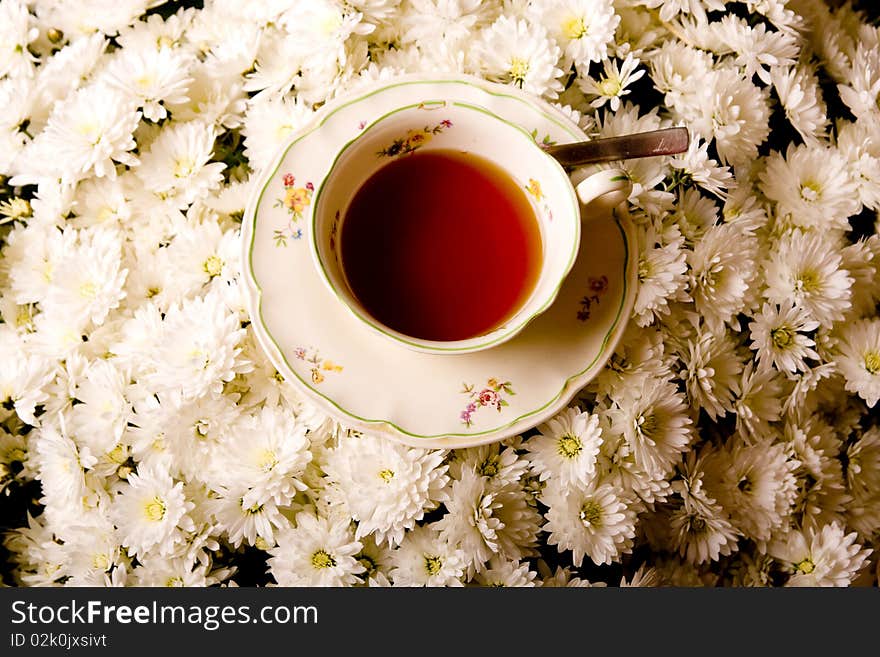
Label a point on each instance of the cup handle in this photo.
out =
(605, 189)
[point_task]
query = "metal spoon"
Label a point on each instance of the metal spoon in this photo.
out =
(667, 141)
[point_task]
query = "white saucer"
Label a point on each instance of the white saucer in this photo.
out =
(369, 383)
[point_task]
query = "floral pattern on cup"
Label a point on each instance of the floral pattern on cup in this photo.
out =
(534, 190)
(319, 365)
(296, 201)
(488, 396)
(414, 140)
(597, 286)
(545, 142)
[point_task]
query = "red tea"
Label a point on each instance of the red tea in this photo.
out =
(441, 245)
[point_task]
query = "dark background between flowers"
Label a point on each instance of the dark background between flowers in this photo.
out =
(22, 497)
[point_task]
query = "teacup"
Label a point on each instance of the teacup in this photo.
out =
(441, 128)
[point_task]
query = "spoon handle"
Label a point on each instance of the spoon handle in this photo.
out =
(667, 141)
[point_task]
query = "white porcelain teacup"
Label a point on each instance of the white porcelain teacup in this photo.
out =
(457, 126)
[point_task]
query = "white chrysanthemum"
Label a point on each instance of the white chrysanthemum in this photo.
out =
(55, 459)
(503, 573)
(734, 112)
(520, 53)
(202, 252)
(696, 165)
(177, 572)
(566, 447)
(863, 87)
(812, 188)
(500, 464)
(695, 215)
(699, 530)
(211, 98)
(754, 484)
(13, 459)
(859, 358)
(711, 373)
(198, 348)
(863, 482)
(677, 70)
(23, 377)
(188, 435)
(63, 72)
(17, 30)
(722, 266)
(778, 337)
(425, 559)
(385, 487)
(590, 521)
(100, 201)
(151, 512)
(482, 521)
(450, 24)
(821, 489)
(563, 577)
(86, 133)
(316, 552)
(268, 122)
(801, 99)
(86, 17)
(101, 415)
(758, 51)
(176, 168)
(613, 84)
(662, 272)
(637, 359)
(806, 269)
(583, 28)
(758, 400)
(267, 453)
(245, 517)
(89, 279)
(697, 8)
(827, 557)
(859, 144)
(322, 26)
(151, 78)
(92, 550)
(654, 424)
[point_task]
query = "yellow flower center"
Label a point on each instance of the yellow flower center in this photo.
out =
(569, 446)
(574, 27)
(806, 566)
(117, 454)
(591, 514)
(872, 362)
(174, 582)
(782, 337)
(519, 68)
(88, 290)
(100, 561)
(154, 509)
(489, 467)
(322, 559)
(386, 475)
(266, 460)
(213, 266)
(183, 167)
(810, 191)
(610, 87)
(433, 565)
(808, 281)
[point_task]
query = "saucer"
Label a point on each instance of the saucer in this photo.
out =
(374, 385)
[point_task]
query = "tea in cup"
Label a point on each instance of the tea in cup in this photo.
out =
(447, 228)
